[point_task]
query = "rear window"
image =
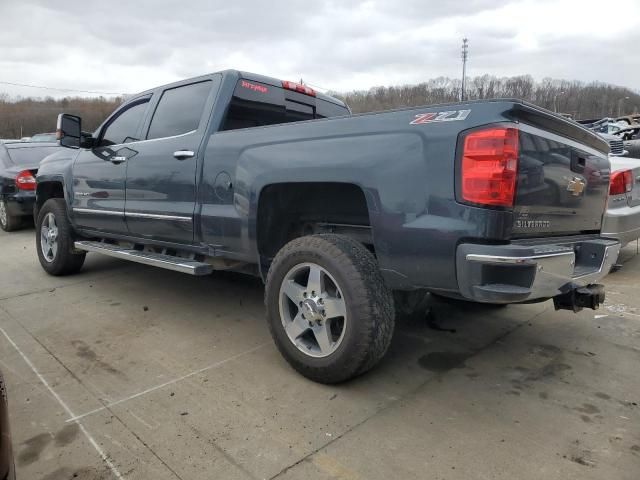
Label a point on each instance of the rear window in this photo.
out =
(256, 104)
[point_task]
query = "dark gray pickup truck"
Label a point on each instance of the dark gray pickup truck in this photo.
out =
(491, 201)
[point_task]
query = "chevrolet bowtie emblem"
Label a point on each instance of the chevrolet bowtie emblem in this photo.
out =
(576, 186)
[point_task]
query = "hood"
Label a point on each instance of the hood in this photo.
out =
(61, 153)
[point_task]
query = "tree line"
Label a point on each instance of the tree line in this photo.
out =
(580, 100)
(27, 116)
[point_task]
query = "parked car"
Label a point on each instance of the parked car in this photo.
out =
(632, 148)
(7, 469)
(607, 129)
(629, 119)
(628, 133)
(43, 138)
(18, 165)
(622, 220)
(336, 215)
(604, 125)
(616, 145)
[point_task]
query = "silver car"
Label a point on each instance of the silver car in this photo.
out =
(622, 220)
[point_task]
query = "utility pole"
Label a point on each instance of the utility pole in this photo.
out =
(555, 101)
(464, 55)
(620, 104)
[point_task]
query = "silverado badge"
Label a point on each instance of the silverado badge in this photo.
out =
(576, 186)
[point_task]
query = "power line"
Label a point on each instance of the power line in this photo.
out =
(59, 89)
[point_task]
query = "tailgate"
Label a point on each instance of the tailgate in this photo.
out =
(562, 181)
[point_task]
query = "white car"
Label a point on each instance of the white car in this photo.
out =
(622, 220)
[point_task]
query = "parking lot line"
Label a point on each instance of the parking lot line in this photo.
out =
(75, 418)
(62, 403)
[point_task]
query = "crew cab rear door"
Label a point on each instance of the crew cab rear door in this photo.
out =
(161, 177)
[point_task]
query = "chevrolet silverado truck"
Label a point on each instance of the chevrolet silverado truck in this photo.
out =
(343, 216)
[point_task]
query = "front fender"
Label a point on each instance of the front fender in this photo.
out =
(56, 168)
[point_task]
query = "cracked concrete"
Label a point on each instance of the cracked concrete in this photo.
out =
(176, 377)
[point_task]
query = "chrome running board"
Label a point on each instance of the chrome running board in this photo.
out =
(178, 264)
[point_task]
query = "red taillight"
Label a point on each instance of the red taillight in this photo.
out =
(489, 164)
(621, 182)
(298, 87)
(25, 181)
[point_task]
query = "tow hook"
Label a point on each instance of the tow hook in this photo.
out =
(575, 300)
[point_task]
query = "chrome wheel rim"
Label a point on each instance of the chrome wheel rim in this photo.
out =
(3, 213)
(313, 310)
(49, 237)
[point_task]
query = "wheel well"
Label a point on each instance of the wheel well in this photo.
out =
(47, 190)
(290, 210)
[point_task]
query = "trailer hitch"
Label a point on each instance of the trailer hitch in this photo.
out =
(578, 298)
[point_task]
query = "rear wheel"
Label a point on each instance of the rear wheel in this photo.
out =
(329, 312)
(8, 223)
(54, 240)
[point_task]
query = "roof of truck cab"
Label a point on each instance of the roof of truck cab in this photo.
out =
(246, 75)
(278, 83)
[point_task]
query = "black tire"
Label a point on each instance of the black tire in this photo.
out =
(65, 261)
(9, 223)
(633, 147)
(369, 305)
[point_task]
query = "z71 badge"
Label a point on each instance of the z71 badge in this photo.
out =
(450, 116)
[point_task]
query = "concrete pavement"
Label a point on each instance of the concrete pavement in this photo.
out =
(126, 371)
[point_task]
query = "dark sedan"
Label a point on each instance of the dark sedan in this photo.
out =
(7, 471)
(18, 166)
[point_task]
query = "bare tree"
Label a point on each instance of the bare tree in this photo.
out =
(27, 116)
(593, 100)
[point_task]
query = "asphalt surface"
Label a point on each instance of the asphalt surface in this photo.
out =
(126, 371)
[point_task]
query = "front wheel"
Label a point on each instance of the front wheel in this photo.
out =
(54, 240)
(329, 311)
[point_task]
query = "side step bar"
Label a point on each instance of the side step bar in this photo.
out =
(178, 264)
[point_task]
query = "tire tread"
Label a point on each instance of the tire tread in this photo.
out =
(66, 262)
(371, 299)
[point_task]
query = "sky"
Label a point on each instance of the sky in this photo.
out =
(126, 46)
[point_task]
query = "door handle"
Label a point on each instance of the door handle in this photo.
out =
(118, 160)
(183, 154)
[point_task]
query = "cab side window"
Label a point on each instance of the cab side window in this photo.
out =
(179, 110)
(125, 126)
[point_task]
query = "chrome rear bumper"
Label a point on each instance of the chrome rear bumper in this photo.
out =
(521, 273)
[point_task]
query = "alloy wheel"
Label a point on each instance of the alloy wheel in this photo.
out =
(49, 237)
(313, 310)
